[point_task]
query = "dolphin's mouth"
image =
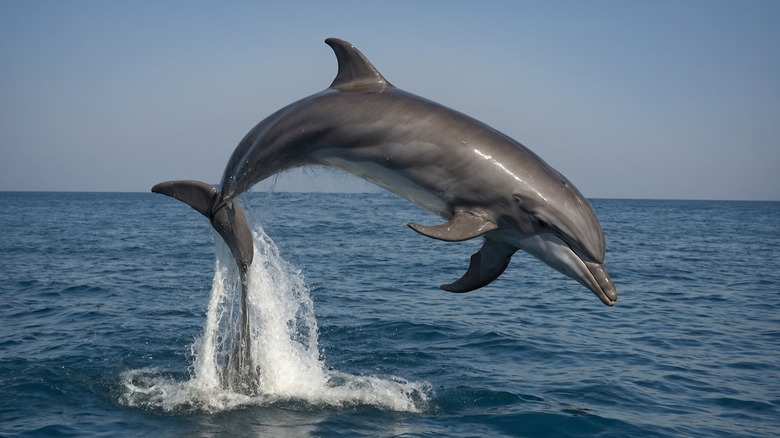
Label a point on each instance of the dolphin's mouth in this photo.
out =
(606, 290)
(599, 283)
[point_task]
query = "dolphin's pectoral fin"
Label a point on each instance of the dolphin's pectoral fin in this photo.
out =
(487, 264)
(462, 226)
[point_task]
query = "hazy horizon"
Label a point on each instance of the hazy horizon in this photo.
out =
(338, 187)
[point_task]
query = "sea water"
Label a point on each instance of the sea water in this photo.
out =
(117, 312)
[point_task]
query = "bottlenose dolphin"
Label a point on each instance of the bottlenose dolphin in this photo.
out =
(478, 179)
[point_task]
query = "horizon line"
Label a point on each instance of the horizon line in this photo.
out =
(374, 192)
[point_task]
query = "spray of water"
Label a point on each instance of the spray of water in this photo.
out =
(285, 363)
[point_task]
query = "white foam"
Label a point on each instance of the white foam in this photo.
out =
(284, 350)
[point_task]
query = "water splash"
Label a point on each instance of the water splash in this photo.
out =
(285, 362)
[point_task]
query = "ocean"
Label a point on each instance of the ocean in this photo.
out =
(117, 312)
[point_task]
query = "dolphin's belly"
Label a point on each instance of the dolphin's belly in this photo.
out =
(403, 184)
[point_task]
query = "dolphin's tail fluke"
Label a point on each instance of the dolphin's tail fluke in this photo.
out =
(227, 218)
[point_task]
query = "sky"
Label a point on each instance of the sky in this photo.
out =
(628, 99)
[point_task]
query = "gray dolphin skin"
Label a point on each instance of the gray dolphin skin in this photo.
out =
(478, 179)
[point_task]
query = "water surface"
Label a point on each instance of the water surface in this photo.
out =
(104, 296)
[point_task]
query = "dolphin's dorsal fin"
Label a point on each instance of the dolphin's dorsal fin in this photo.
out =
(462, 226)
(356, 73)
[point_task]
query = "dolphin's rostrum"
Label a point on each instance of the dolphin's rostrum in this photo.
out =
(481, 181)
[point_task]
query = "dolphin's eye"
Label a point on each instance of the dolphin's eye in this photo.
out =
(543, 223)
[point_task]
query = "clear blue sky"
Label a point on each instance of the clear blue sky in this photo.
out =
(633, 99)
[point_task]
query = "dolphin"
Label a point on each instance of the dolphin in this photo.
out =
(482, 182)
